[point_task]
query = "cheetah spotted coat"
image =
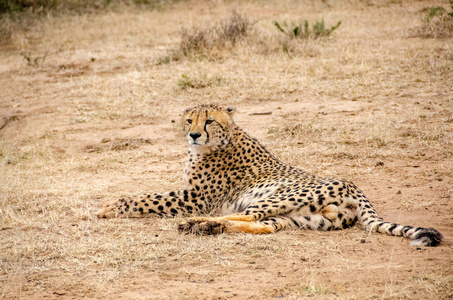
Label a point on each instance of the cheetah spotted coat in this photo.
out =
(228, 171)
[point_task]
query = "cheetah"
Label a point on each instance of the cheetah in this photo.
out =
(231, 173)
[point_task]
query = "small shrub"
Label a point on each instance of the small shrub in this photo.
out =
(200, 41)
(196, 41)
(438, 23)
(9, 6)
(34, 60)
(234, 29)
(303, 30)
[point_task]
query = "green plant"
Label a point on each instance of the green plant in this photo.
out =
(202, 81)
(438, 23)
(34, 60)
(164, 60)
(439, 11)
(319, 28)
(303, 30)
(9, 6)
(185, 82)
(434, 12)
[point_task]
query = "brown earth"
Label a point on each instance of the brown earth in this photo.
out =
(98, 118)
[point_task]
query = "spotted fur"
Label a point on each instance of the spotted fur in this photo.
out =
(228, 171)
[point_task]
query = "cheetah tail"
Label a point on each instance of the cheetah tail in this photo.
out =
(420, 236)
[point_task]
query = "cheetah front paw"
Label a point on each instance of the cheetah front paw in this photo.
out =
(117, 209)
(107, 212)
(201, 227)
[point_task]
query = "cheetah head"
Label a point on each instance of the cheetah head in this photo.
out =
(207, 127)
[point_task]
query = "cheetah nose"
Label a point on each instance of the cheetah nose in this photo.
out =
(195, 135)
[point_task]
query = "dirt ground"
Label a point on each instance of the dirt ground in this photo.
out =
(93, 115)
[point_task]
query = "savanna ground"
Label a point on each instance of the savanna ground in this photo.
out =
(90, 105)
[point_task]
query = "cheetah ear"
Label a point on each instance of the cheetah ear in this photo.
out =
(187, 110)
(231, 110)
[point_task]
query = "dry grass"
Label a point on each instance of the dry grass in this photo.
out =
(98, 118)
(65, 7)
(438, 22)
(441, 27)
(210, 41)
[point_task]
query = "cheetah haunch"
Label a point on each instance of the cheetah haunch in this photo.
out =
(231, 172)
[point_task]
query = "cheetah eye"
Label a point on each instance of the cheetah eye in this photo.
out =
(209, 122)
(189, 121)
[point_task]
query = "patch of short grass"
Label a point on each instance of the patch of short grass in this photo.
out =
(203, 81)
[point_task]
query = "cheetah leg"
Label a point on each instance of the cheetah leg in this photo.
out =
(331, 217)
(296, 221)
(270, 207)
(202, 227)
(255, 212)
(318, 221)
(330, 212)
(209, 226)
(166, 204)
(233, 217)
(241, 217)
(287, 200)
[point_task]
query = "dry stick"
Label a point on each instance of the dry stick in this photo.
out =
(6, 120)
(261, 113)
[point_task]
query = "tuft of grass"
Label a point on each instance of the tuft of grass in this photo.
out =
(438, 23)
(316, 290)
(233, 29)
(439, 11)
(303, 30)
(434, 11)
(202, 41)
(34, 60)
(186, 82)
(196, 41)
(164, 60)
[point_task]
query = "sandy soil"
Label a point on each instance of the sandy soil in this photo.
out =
(99, 119)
